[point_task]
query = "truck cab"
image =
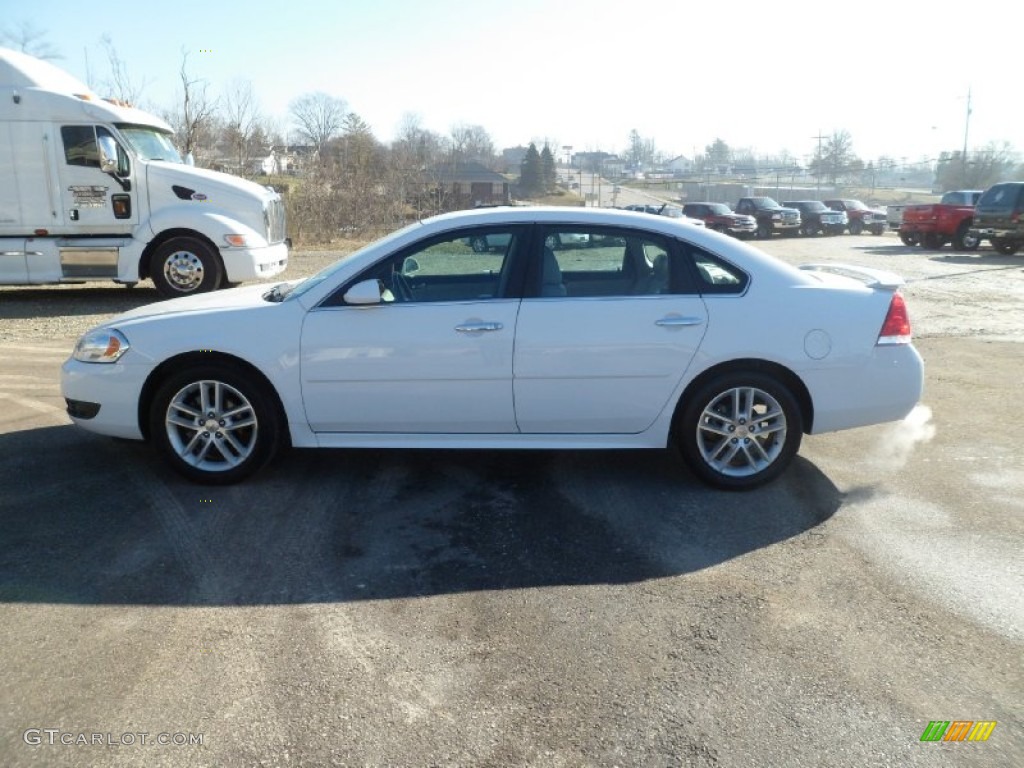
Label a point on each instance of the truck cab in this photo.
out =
(95, 189)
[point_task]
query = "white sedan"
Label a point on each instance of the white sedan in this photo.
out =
(657, 334)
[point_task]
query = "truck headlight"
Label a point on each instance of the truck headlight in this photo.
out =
(101, 346)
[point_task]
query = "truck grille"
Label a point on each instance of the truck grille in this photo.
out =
(274, 215)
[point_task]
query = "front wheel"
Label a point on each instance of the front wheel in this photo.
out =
(214, 424)
(764, 230)
(856, 227)
(740, 430)
(185, 265)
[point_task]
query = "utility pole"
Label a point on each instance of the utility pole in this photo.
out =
(967, 126)
(819, 137)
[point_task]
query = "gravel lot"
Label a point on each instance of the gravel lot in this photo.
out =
(486, 608)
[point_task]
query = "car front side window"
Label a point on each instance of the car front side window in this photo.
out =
(464, 266)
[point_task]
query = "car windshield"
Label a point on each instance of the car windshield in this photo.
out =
(856, 205)
(720, 209)
(765, 203)
(150, 143)
(296, 290)
(813, 205)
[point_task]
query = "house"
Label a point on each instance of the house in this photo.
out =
(453, 186)
(290, 159)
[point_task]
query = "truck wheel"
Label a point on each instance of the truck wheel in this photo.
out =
(1006, 247)
(877, 230)
(932, 241)
(963, 240)
(910, 238)
(856, 227)
(764, 230)
(185, 265)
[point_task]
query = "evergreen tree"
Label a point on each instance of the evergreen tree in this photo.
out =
(530, 179)
(547, 169)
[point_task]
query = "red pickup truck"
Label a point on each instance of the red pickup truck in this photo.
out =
(948, 221)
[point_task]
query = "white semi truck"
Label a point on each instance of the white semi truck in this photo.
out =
(94, 189)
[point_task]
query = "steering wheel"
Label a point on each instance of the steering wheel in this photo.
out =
(400, 286)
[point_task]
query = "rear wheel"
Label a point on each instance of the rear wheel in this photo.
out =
(910, 238)
(740, 430)
(215, 424)
(1006, 247)
(932, 241)
(963, 240)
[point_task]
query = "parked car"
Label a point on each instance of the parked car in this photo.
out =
(817, 218)
(672, 211)
(860, 216)
(949, 220)
(721, 218)
(771, 217)
(999, 217)
(697, 340)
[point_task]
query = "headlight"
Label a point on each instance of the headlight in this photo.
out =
(101, 346)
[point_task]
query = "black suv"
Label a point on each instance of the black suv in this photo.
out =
(771, 217)
(817, 218)
(999, 217)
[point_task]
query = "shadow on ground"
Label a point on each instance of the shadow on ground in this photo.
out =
(88, 520)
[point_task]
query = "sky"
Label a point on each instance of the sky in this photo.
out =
(584, 73)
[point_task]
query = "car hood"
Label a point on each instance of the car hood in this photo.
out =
(234, 298)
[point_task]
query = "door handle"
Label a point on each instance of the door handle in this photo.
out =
(478, 327)
(676, 321)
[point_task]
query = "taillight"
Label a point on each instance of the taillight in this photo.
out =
(896, 328)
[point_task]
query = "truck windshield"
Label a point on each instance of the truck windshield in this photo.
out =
(149, 143)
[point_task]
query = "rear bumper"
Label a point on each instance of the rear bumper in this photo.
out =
(885, 389)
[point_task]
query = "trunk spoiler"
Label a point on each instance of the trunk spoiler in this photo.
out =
(872, 278)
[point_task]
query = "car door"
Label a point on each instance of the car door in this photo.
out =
(95, 202)
(434, 356)
(606, 332)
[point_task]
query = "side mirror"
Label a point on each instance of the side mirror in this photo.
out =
(365, 292)
(108, 153)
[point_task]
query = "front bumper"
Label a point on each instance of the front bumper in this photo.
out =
(996, 233)
(243, 264)
(110, 391)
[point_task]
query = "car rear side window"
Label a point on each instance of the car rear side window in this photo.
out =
(715, 276)
(589, 262)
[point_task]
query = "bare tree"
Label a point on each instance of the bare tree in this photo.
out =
(193, 119)
(120, 84)
(471, 143)
(979, 169)
(243, 123)
(28, 38)
(319, 117)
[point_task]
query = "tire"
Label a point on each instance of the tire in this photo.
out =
(963, 240)
(910, 238)
(764, 231)
(183, 266)
(876, 231)
(751, 407)
(808, 230)
(932, 241)
(239, 438)
(856, 227)
(479, 245)
(1005, 247)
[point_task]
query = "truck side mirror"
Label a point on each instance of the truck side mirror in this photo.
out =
(108, 153)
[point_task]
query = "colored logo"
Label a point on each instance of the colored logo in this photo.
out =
(958, 730)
